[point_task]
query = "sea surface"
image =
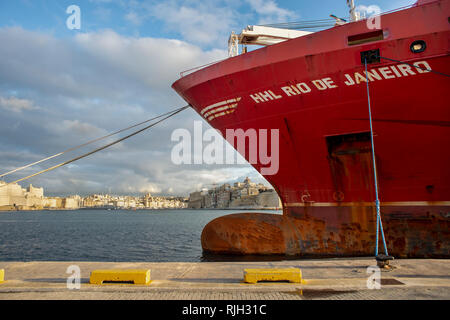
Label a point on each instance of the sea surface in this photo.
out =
(106, 235)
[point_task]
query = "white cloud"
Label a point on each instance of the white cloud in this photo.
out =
(82, 129)
(270, 12)
(90, 85)
(151, 61)
(96, 65)
(368, 11)
(203, 22)
(211, 22)
(15, 104)
(134, 18)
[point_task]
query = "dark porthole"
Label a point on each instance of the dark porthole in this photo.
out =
(418, 46)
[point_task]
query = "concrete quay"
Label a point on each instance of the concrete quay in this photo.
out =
(341, 279)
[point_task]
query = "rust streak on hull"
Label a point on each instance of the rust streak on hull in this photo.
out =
(411, 232)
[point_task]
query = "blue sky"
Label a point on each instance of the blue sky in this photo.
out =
(147, 18)
(60, 87)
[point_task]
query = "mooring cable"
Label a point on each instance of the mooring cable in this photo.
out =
(412, 65)
(98, 149)
(377, 200)
(379, 228)
(86, 143)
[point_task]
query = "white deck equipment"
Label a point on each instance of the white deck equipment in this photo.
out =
(266, 36)
(261, 35)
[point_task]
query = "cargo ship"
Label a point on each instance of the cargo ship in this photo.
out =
(315, 89)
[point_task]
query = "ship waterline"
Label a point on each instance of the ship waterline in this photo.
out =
(313, 90)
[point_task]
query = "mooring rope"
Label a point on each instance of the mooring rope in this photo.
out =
(379, 228)
(170, 114)
(377, 200)
(85, 144)
(411, 65)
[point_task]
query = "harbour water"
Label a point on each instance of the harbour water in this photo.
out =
(105, 235)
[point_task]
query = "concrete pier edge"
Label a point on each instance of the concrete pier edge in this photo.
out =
(324, 279)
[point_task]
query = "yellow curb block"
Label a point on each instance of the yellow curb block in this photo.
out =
(114, 276)
(2, 275)
(290, 274)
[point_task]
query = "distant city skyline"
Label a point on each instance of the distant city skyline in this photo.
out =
(243, 194)
(109, 190)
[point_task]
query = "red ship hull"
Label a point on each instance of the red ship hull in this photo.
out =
(313, 90)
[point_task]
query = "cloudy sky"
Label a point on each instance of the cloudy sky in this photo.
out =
(60, 88)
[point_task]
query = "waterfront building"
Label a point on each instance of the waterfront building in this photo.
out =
(70, 203)
(223, 199)
(268, 199)
(196, 199)
(52, 202)
(13, 196)
(242, 194)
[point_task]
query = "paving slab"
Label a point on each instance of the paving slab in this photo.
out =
(324, 279)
